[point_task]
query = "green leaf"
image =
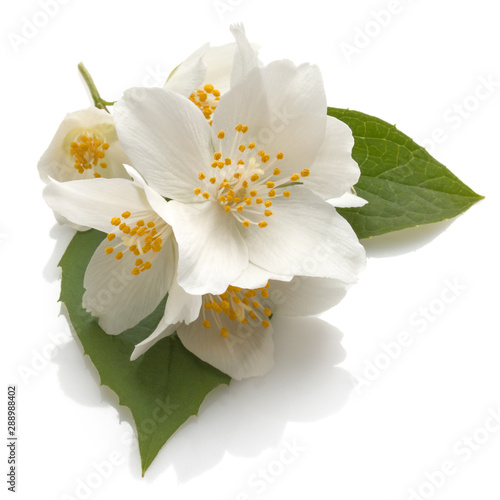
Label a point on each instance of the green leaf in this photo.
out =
(162, 388)
(403, 184)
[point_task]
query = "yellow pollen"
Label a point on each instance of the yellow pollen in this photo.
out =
(262, 223)
(126, 214)
(201, 176)
(224, 333)
(135, 271)
(305, 172)
(244, 129)
(111, 237)
(286, 194)
(252, 315)
(151, 224)
(271, 193)
(227, 161)
(103, 164)
(240, 162)
(254, 177)
(87, 153)
(238, 127)
(253, 192)
(119, 255)
(237, 200)
(268, 203)
(261, 153)
(245, 223)
(264, 294)
(96, 175)
(196, 191)
(248, 201)
(267, 213)
(267, 311)
(280, 155)
(205, 195)
(216, 93)
(255, 305)
(258, 201)
(240, 208)
(227, 208)
(265, 158)
(269, 184)
(266, 323)
(206, 323)
(208, 88)
(115, 221)
(295, 177)
(251, 145)
(212, 180)
(242, 147)
(276, 171)
(221, 134)
(109, 250)
(139, 262)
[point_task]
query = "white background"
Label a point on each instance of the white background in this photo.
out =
(379, 440)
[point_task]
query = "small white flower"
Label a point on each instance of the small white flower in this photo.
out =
(132, 269)
(233, 331)
(85, 146)
(210, 72)
(249, 191)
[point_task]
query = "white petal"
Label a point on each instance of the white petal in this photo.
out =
(245, 57)
(94, 202)
(306, 237)
(284, 107)
(255, 277)
(155, 337)
(189, 75)
(116, 296)
(304, 296)
(212, 253)
(167, 139)
(57, 162)
(348, 200)
(334, 172)
(247, 352)
(180, 307)
(219, 61)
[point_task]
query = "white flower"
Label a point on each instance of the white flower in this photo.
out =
(210, 71)
(233, 331)
(248, 193)
(132, 269)
(85, 146)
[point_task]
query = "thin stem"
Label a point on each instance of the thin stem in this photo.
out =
(99, 102)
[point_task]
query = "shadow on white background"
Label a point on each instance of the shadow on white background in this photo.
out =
(247, 417)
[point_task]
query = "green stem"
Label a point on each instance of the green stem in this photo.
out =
(99, 102)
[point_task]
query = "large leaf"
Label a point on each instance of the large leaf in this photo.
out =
(162, 388)
(403, 184)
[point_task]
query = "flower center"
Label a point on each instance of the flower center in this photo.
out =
(238, 305)
(206, 99)
(246, 181)
(139, 236)
(88, 149)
